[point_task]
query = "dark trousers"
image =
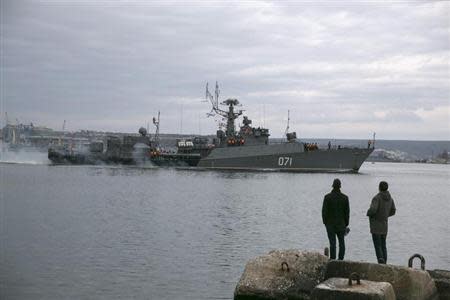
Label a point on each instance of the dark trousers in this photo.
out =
(379, 242)
(332, 233)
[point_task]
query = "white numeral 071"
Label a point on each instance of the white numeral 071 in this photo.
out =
(284, 161)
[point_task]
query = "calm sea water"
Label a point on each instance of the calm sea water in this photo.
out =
(85, 232)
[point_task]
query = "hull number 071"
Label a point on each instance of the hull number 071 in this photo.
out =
(284, 161)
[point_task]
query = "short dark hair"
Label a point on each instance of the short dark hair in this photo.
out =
(383, 186)
(336, 183)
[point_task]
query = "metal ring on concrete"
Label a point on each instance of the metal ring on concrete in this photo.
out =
(284, 264)
(354, 276)
(422, 261)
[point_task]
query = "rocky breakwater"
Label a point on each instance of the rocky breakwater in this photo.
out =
(296, 274)
(442, 281)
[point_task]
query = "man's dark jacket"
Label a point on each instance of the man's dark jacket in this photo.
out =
(381, 208)
(336, 210)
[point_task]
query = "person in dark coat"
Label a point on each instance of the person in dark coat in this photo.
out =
(381, 208)
(335, 217)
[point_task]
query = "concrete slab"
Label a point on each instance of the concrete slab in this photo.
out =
(281, 274)
(408, 283)
(338, 288)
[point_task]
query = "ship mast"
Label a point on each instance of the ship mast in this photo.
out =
(229, 115)
(290, 136)
(287, 127)
(156, 123)
(373, 142)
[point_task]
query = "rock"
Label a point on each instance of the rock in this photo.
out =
(338, 288)
(443, 287)
(442, 280)
(264, 277)
(439, 274)
(408, 283)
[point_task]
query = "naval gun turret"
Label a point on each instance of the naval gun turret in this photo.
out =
(142, 131)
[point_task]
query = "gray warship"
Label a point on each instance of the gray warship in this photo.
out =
(246, 149)
(249, 148)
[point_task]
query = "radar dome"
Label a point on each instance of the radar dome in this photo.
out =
(143, 131)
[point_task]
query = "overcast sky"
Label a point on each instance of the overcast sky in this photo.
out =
(343, 69)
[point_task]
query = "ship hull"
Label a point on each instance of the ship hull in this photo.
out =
(286, 157)
(163, 160)
(176, 160)
(62, 158)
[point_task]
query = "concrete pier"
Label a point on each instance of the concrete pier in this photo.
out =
(296, 274)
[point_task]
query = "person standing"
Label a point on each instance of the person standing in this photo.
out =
(335, 217)
(381, 208)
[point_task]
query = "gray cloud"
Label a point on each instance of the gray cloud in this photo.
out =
(344, 70)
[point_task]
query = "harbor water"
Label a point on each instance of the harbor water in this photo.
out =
(102, 232)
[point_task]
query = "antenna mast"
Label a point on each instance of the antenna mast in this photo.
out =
(373, 143)
(181, 120)
(216, 94)
(229, 115)
(287, 127)
(215, 101)
(156, 123)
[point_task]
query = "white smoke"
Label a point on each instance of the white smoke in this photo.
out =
(394, 155)
(140, 155)
(32, 156)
